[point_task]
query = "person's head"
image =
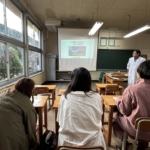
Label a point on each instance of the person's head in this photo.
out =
(80, 81)
(144, 70)
(136, 53)
(25, 86)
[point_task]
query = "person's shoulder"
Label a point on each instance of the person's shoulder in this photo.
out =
(96, 95)
(131, 58)
(135, 87)
(142, 58)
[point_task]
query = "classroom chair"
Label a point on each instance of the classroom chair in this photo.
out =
(42, 91)
(64, 147)
(141, 124)
(111, 89)
(101, 76)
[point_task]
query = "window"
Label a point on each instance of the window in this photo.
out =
(33, 35)
(14, 21)
(11, 61)
(13, 46)
(34, 62)
(37, 37)
(2, 27)
(3, 62)
(16, 62)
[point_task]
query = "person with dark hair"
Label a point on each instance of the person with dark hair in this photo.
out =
(18, 117)
(79, 113)
(132, 66)
(134, 104)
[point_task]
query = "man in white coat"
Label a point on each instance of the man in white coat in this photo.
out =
(132, 66)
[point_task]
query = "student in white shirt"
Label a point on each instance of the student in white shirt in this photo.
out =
(79, 113)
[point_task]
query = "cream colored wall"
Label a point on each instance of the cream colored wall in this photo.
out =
(39, 79)
(141, 41)
(51, 44)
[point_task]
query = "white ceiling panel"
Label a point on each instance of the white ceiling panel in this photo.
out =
(64, 3)
(112, 12)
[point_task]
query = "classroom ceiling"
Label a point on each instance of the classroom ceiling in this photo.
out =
(84, 13)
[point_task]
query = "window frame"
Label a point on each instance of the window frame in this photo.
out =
(4, 38)
(41, 64)
(34, 25)
(5, 21)
(9, 80)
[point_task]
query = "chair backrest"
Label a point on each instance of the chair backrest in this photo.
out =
(40, 90)
(111, 89)
(142, 124)
(79, 147)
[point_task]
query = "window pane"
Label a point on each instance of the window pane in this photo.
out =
(14, 21)
(16, 61)
(37, 37)
(34, 62)
(2, 27)
(3, 62)
(30, 33)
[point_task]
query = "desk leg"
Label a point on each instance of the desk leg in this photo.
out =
(45, 115)
(56, 123)
(98, 90)
(103, 107)
(120, 91)
(108, 140)
(53, 96)
(40, 122)
(103, 78)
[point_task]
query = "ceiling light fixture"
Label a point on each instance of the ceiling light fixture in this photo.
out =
(137, 31)
(96, 26)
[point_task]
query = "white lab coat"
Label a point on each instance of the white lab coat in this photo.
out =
(79, 118)
(132, 67)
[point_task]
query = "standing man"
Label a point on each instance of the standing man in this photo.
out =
(132, 66)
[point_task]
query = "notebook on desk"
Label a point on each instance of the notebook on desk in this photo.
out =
(36, 101)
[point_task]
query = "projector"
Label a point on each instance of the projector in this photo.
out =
(51, 24)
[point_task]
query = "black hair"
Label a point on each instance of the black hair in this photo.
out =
(80, 81)
(137, 51)
(144, 70)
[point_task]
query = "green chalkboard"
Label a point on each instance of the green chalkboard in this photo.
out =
(113, 59)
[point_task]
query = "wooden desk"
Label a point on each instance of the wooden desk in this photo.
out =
(109, 101)
(51, 90)
(61, 91)
(114, 81)
(55, 106)
(117, 75)
(100, 87)
(39, 107)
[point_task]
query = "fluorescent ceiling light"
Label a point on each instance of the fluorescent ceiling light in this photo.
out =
(137, 31)
(96, 26)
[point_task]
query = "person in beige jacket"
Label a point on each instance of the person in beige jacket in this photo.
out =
(18, 117)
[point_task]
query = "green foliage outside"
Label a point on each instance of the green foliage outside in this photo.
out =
(14, 63)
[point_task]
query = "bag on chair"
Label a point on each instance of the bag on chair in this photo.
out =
(49, 141)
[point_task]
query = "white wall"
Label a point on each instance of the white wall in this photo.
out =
(140, 41)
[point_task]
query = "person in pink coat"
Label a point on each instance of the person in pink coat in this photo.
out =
(134, 103)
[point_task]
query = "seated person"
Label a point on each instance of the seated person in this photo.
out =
(18, 117)
(133, 104)
(79, 113)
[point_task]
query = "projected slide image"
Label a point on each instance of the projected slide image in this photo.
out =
(77, 50)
